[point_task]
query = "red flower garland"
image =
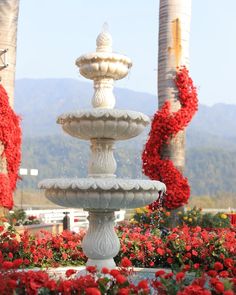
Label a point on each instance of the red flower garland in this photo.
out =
(10, 137)
(166, 125)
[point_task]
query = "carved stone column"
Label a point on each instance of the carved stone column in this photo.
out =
(102, 162)
(101, 243)
(103, 92)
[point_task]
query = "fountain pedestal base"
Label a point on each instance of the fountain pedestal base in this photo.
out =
(101, 243)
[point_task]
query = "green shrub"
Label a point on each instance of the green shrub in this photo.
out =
(191, 217)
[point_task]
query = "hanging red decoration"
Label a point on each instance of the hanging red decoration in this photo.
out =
(10, 139)
(165, 126)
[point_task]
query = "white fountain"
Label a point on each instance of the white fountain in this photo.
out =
(101, 193)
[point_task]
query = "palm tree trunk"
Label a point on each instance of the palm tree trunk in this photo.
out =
(8, 30)
(174, 31)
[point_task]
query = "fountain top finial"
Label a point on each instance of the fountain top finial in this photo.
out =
(104, 40)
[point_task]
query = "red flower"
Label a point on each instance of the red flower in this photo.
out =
(51, 285)
(160, 251)
(143, 285)
(92, 291)
(64, 256)
(114, 273)
(70, 272)
(212, 273)
(228, 262)
(194, 290)
(12, 284)
(10, 255)
(151, 264)
(7, 264)
(160, 273)
(168, 275)
(218, 266)
(125, 262)
(186, 267)
(121, 279)
(105, 270)
(180, 276)
(224, 274)
(17, 262)
(91, 269)
(194, 253)
(188, 248)
(219, 286)
(165, 126)
(169, 260)
(26, 261)
(124, 291)
(10, 137)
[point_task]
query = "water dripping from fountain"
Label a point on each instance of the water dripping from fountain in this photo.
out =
(164, 230)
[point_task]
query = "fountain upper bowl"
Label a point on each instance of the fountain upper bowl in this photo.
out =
(103, 123)
(102, 193)
(104, 64)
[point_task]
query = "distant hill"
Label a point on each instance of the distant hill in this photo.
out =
(41, 101)
(210, 170)
(211, 136)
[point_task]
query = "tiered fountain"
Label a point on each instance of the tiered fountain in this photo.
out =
(101, 193)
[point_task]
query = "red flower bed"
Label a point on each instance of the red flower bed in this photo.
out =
(113, 282)
(184, 248)
(165, 126)
(10, 137)
(41, 251)
(187, 248)
(210, 254)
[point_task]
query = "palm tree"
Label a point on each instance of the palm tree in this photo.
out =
(174, 31)
(8, 29)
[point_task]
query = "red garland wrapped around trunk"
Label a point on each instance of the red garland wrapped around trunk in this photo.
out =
(10, 138)
(165, 125)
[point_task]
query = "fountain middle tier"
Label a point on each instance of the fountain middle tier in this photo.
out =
(103, 123)
(102, 193)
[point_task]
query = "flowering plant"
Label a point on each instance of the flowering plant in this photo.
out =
(42, 250)
(191, 248)
(154, 220)
(147, 218)
(19, 217)
(10, 143)
(115, 281)
(165, 126)
(195, 217)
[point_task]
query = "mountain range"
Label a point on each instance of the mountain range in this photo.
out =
(211, 136)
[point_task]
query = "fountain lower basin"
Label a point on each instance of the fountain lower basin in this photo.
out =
(102, 193)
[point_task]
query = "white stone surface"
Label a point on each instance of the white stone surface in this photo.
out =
(103, 66)
(103, 123)
(102, 193)
(101, 243)
(102, 162)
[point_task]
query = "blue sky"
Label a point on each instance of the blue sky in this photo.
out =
(53, 33)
